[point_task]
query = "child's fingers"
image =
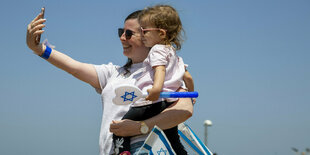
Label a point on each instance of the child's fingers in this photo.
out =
(193, 100)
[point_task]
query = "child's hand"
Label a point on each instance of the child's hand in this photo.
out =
(153, 94)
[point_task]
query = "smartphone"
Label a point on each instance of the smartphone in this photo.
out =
(38, 39)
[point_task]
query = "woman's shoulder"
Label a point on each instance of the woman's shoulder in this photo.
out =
(110, 67)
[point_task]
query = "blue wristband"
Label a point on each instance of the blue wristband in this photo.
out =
(47, 53)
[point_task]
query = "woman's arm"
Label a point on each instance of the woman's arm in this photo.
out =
(82, 71)
(177, 113)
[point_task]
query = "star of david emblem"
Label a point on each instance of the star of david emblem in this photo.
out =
(130, 98)
(161, 151)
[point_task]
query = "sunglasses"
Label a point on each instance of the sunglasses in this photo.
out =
(128, 33)
(150, 29)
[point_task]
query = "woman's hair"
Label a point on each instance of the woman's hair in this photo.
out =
(133, 15)
(167, 18)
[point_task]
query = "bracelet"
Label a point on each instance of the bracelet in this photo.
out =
(46, 53)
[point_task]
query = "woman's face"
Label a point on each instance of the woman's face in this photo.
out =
(134, 48)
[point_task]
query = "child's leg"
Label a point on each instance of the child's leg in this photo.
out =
(137, 114)
(174, 139)
(122, 144)
(146, 112)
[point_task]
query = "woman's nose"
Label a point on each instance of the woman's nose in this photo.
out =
(123, 38)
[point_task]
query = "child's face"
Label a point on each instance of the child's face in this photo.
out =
(150, 35)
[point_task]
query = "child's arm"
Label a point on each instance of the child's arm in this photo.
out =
(189, 82)
(159, 78)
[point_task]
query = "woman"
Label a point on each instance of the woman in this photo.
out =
(104, 78)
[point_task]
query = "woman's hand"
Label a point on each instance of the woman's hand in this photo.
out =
(125, 128)
(34, 29)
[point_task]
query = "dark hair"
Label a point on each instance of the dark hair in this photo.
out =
(133, 15)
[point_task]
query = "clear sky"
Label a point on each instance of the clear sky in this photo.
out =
(250, 60)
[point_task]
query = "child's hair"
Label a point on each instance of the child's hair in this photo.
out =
(167, 18)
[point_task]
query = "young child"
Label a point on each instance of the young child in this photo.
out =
(163, 71)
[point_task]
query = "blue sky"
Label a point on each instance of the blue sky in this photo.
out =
(249, 60)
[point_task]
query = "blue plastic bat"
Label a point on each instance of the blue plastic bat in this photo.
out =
(126, 94)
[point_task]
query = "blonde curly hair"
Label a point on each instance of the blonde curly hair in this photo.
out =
(167, 18)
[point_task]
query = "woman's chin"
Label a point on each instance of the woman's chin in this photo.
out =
(126, 53)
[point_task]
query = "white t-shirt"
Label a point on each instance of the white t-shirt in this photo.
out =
(161, 55)
(111, 76)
